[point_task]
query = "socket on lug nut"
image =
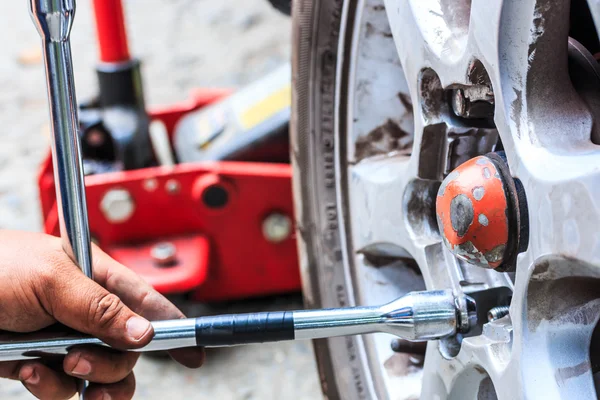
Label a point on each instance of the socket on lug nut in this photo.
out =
(117, 205)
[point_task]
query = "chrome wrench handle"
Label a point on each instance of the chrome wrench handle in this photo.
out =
(417, 316)
(54, 19)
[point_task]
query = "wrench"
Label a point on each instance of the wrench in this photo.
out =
(417, 316)
(54, 19)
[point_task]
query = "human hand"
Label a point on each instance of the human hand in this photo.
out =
(40, 286)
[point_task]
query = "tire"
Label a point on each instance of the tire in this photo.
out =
(343, 367)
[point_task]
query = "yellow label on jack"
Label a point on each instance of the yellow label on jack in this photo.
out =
(267, 107)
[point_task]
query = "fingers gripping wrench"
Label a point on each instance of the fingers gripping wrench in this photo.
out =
(53, 19)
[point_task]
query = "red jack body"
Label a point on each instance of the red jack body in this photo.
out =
(212, 214)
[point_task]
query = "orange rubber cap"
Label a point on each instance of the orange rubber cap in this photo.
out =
(472, 213)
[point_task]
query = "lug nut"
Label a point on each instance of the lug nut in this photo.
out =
(497, 313)
(117, 205)
(458, 102)
(277, 227)
(164, 254)
(475, 101)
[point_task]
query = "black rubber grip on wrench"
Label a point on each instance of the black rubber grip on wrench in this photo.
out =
(234, 329)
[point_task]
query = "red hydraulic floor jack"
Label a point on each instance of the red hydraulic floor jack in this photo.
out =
(216, 230)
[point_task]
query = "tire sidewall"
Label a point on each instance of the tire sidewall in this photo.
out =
(318, 29)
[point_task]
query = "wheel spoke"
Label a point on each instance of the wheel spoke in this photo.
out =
(438, 30)
(563, 197)
(483, 369)
(530, 71)
(403, 26)
(377, 188)
(554, 312)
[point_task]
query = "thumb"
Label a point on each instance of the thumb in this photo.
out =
(80, 303)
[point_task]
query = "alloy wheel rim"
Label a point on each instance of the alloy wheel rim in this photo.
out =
(393, 109)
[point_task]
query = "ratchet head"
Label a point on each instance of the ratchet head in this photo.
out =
(53, 18)
(422, 316)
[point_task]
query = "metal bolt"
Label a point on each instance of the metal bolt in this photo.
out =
(117, 205)
(172, 186)
(497, 313)
(475, 101)
(151, 184)
(459, 105)
(164, 254)
(277, 227)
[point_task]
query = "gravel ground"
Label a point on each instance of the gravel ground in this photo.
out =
(183, 44)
